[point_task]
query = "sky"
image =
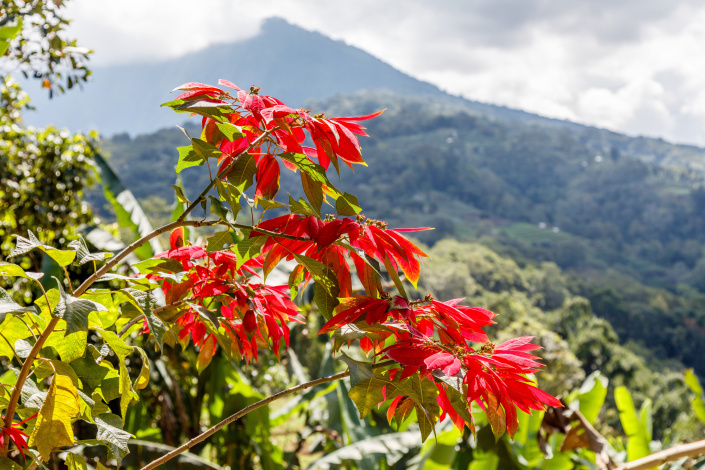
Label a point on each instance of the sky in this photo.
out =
(632, 66)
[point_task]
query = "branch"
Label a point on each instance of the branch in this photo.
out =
(659, 458)
(225, 171)
(132, 247)
(240, 414)
(248, 409)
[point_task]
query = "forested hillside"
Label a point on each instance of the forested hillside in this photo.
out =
(597, 204)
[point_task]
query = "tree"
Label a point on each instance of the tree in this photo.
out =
(43, 172)
(33, 42)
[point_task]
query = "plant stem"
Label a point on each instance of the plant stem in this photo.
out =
(10, 413)
(201, 437)
(132, 247)
(240, 414)
(221, 174)
(668, 455)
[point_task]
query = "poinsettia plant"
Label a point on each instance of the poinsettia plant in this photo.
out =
(424, 355)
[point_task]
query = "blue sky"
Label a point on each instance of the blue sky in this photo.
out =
(633, 66)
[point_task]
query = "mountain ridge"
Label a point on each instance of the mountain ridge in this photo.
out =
(126, 98)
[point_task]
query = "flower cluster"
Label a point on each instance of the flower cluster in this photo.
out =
(253, 314)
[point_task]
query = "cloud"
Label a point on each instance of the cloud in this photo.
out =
(628, 65)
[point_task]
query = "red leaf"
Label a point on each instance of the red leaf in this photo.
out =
(228, 84)
(267, 178)
(249, 323)
(408, 356)
(197, 86)
(360, 118)
(176, 239)
(449, 364)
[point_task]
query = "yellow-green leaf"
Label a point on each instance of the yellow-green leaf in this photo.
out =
(143, 379)
(53, 427)
(75, 462)
(205, 354)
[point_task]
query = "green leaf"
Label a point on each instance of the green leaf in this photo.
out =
(125, 388)
(147, 302)
(442, 452)
(53, 426)
(142, 380)
(314, 192)
(487, 461)
(24, 245)
(230, 194)
(230, 131)
(83, 255)
(7, 34)
(180, 196)
(219, 239)
(89, 372)
(6, 463)
(158, 265)
(111, 433)
(23, 348)
(390, 446)
(592, 396)
(424, 396)
(243, 171)
(359, 371)
(204, 108)
(75, 311)
(315, 171)
(269, 204)
(188, 157)
(296, 277)
(693, 383)
(301, 207)
(636, 431)
(368, 393)
(346, 333)
(12, 329)
(69, 346)
(205, 149)
(219, 209)
(459, 403)
(12, 270)
(691, 380)
(7, 305)
(75, 462)
(119, 347)
(326, 299)
(347, 205)
(248, 248)
(320, 273)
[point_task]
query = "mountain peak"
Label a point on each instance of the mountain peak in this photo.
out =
(285, 60)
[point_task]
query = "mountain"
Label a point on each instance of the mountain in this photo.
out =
(286, 61)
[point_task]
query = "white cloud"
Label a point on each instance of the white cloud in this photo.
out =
(629, 65)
